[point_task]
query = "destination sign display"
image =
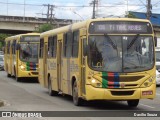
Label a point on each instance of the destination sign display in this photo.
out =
(30, 39)
(120, 27)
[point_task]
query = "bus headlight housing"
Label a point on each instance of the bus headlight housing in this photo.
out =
(22, 67)
(148, 82)
(95, 83)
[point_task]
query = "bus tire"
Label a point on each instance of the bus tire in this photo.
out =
(50, 91)
(133, 103)
(76, 100)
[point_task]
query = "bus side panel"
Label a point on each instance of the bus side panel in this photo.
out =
(52, 71)
(74, 72)
(41, 72)
(66, 75)
(12, 56)
(9, 60)
(5, 57)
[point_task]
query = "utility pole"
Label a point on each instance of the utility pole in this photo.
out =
(149, 8)
(94, 3)
(50, 15)
(24, 12)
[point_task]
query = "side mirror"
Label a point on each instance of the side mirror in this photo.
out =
(17, 46)
(155, 41)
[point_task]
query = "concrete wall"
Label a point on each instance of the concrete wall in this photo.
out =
(18, 26)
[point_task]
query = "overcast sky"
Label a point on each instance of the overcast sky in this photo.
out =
(75, 9)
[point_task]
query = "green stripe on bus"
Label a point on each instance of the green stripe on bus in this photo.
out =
(27, 66)
(104, 81)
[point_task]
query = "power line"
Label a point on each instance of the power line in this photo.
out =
(109, 5)
(142, 2)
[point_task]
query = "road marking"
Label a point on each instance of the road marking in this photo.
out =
(147, 105)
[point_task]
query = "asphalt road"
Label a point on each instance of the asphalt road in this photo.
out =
(31, 96)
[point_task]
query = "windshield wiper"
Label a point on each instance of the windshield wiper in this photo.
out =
(133, 41)
(110, 40)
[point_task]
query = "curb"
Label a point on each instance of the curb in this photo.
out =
(1, 103)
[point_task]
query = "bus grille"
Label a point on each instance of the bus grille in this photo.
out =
(122, 93)
(130, 78)
(34, 73)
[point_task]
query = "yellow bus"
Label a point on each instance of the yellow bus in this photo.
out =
(21, 55)
(100, 59)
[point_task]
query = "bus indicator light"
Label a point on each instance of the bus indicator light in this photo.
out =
(147, 92)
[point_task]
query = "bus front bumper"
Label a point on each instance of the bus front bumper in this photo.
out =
(27, 73)
(93, 93)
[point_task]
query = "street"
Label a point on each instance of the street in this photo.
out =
(31, 96)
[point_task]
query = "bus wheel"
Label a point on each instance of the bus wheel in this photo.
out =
(133, 103)
(50, 91)
(76, 100)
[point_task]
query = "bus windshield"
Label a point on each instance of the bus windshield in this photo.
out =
(29, 52)
(121, 53)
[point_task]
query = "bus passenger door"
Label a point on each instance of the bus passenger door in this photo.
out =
(59, 63)
(83, 66)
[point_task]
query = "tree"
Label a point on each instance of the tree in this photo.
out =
(130, 15)
(2, 38)
(45, 27)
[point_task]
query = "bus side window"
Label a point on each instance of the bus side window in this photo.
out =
(75, 44)
(50, 45)
(68, 45)
(8, 47)
(41, 47)
(54, 48)
(14, 47)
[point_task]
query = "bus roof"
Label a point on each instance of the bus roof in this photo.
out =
(15, 36)
(84, 24)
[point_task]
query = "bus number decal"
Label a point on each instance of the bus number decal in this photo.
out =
(51, 65)
(73, 66)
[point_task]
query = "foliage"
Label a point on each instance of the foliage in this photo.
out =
(45, 27)
(2, 38)
(130, 15)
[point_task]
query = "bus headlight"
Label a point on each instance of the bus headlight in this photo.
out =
(22, 67)
(96, 83)
(148, 82)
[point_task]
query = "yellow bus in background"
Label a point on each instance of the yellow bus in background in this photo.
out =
(100, 59)
(21, 55)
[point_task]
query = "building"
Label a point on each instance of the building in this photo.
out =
(155, 20)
